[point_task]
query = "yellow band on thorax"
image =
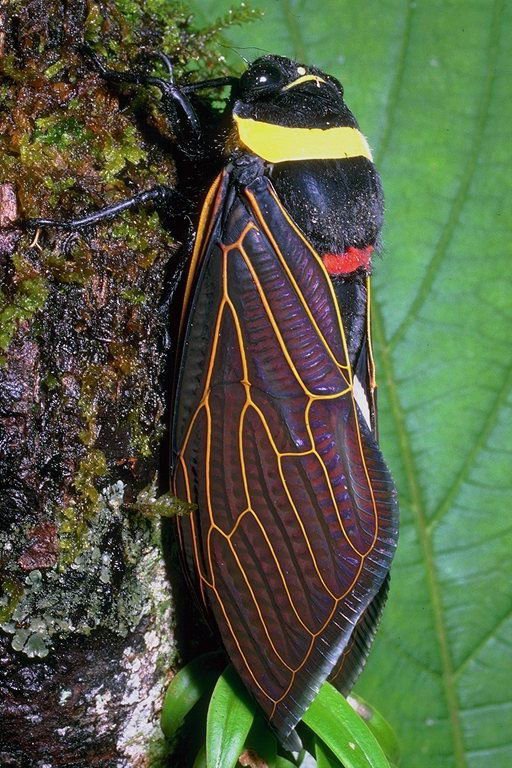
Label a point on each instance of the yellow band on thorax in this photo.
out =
(279, 143)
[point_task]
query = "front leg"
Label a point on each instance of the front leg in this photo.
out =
(185, 123)
(175, 103)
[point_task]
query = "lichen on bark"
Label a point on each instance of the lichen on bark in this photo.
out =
(85, 610)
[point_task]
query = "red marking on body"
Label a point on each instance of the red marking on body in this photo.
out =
(349, 261)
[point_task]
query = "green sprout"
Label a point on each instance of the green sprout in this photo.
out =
(336, 732)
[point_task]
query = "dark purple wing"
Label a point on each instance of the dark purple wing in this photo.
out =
(296, 523)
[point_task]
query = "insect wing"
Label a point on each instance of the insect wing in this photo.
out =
(296, 521)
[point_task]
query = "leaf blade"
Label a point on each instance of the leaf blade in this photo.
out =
(187, 687)
(379, 726)
(324, 757)
(341, 729)
(230, 717)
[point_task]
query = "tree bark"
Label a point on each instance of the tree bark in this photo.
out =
(86, 643)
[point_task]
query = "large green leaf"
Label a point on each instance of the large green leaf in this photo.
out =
(429, 82)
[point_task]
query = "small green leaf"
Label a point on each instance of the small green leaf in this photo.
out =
(200, 761)
(262, 741)
(282, 762)
(379, 726)
(230, 717)
(324, 756)
(187, 687)
(191, 737)
(334, 721)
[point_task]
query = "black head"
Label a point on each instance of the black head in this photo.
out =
(278, 90)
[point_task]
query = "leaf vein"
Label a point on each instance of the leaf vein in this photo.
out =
(418, 509)
(488, 636)
(478, 444)
(396, 86)
(470, 163)
(294, 29)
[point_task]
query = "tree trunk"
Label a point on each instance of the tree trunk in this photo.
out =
(86, 644)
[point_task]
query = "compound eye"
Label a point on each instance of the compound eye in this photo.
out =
(269, 77)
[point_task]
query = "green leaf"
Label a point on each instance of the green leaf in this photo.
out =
(186, 688)
(190, 741)
(200, 761)
(262, 741)
(335, 723)
(282, 762)
(379, 726)
(430, 85)
(324, 757)
(230, 716)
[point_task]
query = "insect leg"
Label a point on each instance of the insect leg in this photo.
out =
(175, 103)
(215, 82)
(159, 195)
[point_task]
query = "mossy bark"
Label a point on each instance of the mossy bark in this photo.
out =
(86, 643)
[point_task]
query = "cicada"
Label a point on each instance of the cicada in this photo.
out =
(274, 433)
(274, 426)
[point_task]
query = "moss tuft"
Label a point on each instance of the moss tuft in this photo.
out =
(29, 297)
(153, 506)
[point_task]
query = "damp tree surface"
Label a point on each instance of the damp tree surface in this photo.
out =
(86, 325)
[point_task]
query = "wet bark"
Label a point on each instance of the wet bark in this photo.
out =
(86, 642)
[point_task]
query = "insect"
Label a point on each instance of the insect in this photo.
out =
(274, 433)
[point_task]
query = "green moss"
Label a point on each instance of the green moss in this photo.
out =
(62, 135)
(51, 382)
(11, 67)
(76, 519)
(75, 268)
(72, 534)
(58, 186)
(97, 379)
(142, 443)
(142, 233)
(60, 131)
(201, 49)
(5, 98)
(93, 32)
(29, 297)
(134, 295)
(206, 48)
(118, 152)
(91, 467)
(153, 506)
(12, 592)
(55, 69)
(131, 10)
(130, 229)
(124, 358)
